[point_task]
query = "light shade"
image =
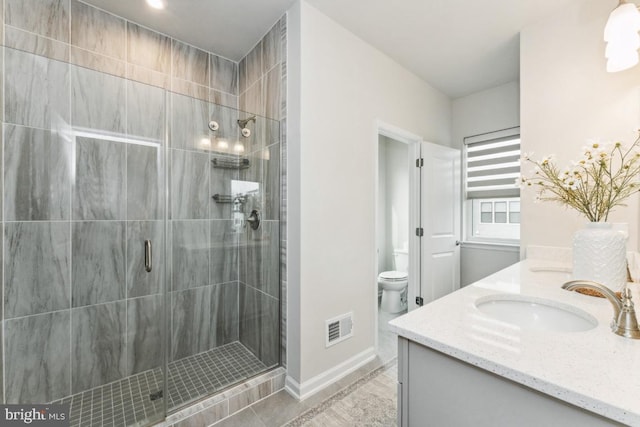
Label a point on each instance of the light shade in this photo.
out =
(621, 35)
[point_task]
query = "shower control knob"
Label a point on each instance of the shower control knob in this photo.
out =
(213, 125)
(246, 132)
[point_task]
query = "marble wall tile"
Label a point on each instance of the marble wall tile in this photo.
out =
(144, 333)
(271, 48)
(224, 99)
(150, 77)
(97, 100)
(99, 190)
(28, 42)
(249, 396)
(97, 345)
(98, 31)
(190, 63)
(271, 182)
(37, 358)
(29, 290)
(191, 322)
(36, 90)
(37, 174)
(252, 100)
(190, 89)
(260, 258)
(98, 260)
(224, 75)
(227, 118)
(94, 61)
(189, 185)
(49, 18)
(139, 281)
(225, 320)
(146, 111)
(272, 91)
(224, 252)
(190, 251)
(148, 48)
(207, 416)
(189, 122)
(259, 321)
(250, 68)
(144, 182)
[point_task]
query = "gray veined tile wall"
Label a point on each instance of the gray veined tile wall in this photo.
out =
(97, 345)
(85, 216)
(99, 190)
(144, 333)
(98, 259)
(38, 362)
(97, 31)
(29, 290)
(262, 79)
(36, 90)
(37, 175)
(49, 18)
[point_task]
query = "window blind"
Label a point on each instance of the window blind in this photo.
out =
(492, 163)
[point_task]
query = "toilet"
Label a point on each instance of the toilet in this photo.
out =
(394, 284)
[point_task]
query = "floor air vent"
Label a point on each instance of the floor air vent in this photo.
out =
(339, 329)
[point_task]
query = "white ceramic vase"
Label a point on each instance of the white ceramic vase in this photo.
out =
(600, 254)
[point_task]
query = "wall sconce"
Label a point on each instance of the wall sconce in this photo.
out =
(621, 35)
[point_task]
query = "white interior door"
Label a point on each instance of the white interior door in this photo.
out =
(440, 221)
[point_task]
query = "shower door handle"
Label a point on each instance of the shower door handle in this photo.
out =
(148, 256)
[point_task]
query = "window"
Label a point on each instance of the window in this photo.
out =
(492, 165)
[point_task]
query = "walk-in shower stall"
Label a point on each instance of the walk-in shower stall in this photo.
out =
(140, 243)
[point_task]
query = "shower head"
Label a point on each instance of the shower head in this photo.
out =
(243, 123)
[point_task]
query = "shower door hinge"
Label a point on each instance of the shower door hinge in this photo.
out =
(419, 162)
(419, 301)
(419, 231)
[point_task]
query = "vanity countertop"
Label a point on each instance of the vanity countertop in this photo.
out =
(595, 370)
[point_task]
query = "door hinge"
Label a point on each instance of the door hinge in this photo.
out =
(419, 231)
(419, 301)
(419, 162)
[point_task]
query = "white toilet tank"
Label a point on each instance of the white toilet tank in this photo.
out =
(401, 260)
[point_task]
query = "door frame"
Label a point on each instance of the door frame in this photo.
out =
(413, 141)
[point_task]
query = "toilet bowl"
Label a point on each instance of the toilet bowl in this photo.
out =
(394, 291)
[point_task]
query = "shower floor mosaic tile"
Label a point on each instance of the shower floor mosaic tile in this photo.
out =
(127, 402)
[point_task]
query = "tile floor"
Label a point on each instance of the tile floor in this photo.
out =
(128, 402)
(280, 408)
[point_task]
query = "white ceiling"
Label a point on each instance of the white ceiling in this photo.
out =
(458, 46)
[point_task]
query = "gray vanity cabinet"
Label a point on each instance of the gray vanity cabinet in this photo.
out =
(438, 390)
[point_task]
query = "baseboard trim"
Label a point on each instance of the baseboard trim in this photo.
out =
(328, 377)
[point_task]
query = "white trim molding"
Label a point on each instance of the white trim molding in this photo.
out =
(328, 377)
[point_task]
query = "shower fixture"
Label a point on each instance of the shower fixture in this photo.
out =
(243, 126)
(213, 125)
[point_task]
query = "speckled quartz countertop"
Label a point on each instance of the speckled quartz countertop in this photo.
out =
(595, 369)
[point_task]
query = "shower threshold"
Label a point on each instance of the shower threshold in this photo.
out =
(128, 402)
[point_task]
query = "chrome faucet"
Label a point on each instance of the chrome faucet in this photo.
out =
(624, 321)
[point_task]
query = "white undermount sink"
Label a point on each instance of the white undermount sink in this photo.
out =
(536, 313)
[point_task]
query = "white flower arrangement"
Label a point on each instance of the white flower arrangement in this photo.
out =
(605, 176)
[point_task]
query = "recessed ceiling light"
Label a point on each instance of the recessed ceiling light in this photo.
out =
(156, 4)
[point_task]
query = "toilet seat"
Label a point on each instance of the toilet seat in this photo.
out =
(393, 276)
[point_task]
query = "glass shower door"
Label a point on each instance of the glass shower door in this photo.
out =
(83, 241)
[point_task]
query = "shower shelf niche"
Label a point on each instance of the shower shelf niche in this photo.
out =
(230, 163)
